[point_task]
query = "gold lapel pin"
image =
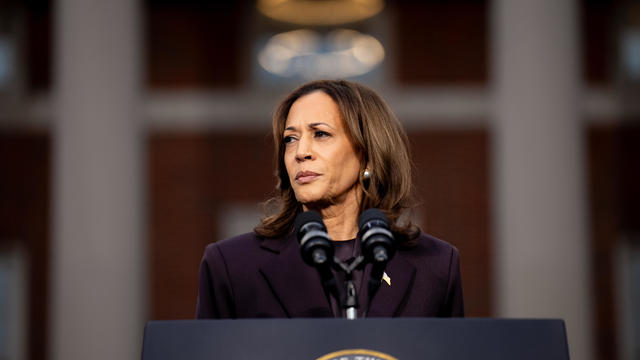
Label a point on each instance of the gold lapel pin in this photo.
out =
(386, 278)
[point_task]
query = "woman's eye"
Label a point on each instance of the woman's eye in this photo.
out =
(320, 133)
(288, 139)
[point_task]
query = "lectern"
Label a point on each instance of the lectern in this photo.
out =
(364, 339)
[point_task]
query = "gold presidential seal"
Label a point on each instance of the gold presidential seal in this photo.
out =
(356, 354)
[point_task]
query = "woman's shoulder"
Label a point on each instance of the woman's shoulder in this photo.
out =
(241, 241)
(243, 245)
(432, 257)
(429, 245)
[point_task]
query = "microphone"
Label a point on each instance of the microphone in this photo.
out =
(377, 247)
(316, 248)
(315, 245)
(377, 239)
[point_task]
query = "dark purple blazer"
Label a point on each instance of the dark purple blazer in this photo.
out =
(251, 277)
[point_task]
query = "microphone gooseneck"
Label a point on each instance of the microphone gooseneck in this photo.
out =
(377, 247)
(316, 248)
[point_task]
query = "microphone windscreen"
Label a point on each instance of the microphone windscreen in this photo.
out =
(306, 217)
(371, 214)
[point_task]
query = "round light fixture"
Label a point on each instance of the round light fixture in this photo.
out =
(310, 55)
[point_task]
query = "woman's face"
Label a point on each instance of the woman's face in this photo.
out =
(321, 161)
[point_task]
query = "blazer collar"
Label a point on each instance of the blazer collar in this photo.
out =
(296, 284)
(277, 244)
(299, 289)
(390, 299)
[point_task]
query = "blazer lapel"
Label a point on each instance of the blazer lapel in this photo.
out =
(295, 284)
(390, 299)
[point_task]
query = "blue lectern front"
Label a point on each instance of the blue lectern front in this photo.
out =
(364, 339)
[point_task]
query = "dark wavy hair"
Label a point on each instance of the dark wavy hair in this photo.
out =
(378, 139)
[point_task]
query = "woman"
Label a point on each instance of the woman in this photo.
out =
(339, 151)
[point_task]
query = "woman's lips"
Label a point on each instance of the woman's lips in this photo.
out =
(304, 177)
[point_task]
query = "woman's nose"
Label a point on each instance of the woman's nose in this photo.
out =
(304, 150)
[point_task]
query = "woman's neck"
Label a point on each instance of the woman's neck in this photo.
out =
(341, 219)
(342, 223)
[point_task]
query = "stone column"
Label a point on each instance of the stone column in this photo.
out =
(542, 245)
(98, 285)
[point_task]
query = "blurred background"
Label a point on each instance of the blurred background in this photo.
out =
(133, 133)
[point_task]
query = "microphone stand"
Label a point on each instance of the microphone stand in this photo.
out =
(350, 302)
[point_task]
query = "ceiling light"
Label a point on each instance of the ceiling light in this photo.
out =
(311, 55)
(320, 12)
